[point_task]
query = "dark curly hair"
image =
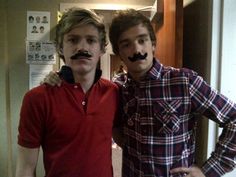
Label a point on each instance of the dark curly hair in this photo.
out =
(125, 19)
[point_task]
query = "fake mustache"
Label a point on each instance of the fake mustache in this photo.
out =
(137, 56)
(80, 54)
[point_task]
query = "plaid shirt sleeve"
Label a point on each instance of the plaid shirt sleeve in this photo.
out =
(220, 109)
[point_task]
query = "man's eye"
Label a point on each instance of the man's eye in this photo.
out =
(141, 41)
(73, 40)
(125, 45)
(91, 41)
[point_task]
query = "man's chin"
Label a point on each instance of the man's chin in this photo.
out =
(80, 69)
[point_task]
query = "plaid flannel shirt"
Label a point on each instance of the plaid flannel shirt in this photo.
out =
(159, 123)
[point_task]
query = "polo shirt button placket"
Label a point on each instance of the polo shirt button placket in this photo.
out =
(76, 86)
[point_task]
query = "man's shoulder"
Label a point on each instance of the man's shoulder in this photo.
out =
(178, 72)
(107, 83)
(38, 92)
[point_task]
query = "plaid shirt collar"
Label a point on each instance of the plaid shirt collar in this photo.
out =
(153, 74)
(155, 71)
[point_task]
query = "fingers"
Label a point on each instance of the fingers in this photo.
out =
(41, 83)
(52, 79)
(180, 170)
(190, 172)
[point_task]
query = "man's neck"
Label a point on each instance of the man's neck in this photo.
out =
(86, 81)
(137, 76)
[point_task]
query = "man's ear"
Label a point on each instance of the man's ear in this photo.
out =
(153, 48)
(60, 51)
(103, 50)
(101, 54)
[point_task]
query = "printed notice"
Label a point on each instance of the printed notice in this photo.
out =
(37, 74)
(40, 52)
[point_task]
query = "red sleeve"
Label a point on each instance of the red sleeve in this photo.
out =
(31, 119)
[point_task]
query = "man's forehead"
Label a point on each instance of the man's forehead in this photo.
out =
(84, 30)
(133, 33)
(81, 35)
(132, 37)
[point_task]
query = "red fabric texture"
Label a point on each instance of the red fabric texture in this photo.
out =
(75, 138)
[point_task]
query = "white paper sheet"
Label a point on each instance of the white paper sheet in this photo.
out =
(37, 74)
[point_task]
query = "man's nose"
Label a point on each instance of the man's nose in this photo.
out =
(82, 45)
(136, 47)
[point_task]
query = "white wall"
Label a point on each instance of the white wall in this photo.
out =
(228, 57)
(223, 68)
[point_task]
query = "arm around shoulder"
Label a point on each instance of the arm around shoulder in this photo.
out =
(26, 161)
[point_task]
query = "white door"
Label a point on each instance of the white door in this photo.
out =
(223, 69)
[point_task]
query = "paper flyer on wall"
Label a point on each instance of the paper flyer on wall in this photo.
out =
(38, 25)
(40, 52)
(37, 74)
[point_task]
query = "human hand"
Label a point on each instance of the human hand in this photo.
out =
(52, 79)
(188, 172)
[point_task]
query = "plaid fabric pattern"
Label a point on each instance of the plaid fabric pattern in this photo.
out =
(159, 123)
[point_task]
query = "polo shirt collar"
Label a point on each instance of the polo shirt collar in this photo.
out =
(66, 74)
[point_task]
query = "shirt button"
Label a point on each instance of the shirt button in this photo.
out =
(76, 86)
(130, 122)
(83, 103)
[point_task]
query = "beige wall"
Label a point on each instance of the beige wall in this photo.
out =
(14, 72)
(3, 111)
(14, 77)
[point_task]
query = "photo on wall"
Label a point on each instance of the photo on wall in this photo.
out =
(38, 25)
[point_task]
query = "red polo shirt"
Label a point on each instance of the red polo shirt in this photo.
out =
(73, 129)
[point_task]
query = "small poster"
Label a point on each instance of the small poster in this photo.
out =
(40, 52)
(37, 74)
(38, 25)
